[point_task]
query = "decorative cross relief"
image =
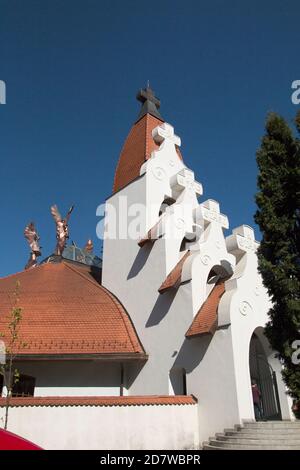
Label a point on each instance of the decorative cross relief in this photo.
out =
(185, 179)
(164, 136)
(242, 240)
(165, 133)
(209, 211)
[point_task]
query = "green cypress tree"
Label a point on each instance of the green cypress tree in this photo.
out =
(278, 216)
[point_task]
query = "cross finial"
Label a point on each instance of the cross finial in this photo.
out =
(185, 180)
(242, 240)
(209, 212)
(151, 103)
(165, 132)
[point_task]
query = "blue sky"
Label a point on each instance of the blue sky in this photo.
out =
(72, 69)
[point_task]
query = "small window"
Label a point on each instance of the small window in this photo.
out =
(177, 380)
(24, 387)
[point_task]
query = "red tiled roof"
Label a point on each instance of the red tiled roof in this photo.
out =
(136, 150)
(174, 277)
(206, 320)
(143, 400)
(66, 311)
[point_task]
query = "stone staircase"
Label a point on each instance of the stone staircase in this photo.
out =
(262, 435)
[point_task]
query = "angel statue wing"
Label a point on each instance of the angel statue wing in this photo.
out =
(62, 230)
(55, 213)
(69, 213)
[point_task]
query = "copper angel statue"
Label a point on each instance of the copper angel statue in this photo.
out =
(62, 229)
(32, 237)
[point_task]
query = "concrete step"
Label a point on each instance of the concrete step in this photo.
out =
(272, 425)
(261, 435)
(251, 446)
(273, 431)
(241, 447)
(207, 446)
(292, 428)
(255, 441)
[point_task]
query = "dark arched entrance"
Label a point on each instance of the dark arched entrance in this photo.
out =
(262, 373)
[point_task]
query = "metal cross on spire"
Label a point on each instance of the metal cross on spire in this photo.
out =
(151, 103)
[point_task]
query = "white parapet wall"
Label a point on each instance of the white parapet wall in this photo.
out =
(106, 427)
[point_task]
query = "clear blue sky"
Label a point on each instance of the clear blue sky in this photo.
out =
(72, 69)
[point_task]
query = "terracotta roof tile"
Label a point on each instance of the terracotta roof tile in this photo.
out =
(152, 234)
(66, 311)
(174, 277)
(206, 320)
(136, 150)
(103, 401)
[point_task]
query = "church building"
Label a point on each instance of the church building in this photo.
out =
(154, 346)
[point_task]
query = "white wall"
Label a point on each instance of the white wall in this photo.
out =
(117, 427)
(73, 378)
(134, 275)
(211, 377)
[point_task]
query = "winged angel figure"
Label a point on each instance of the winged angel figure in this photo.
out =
(62, 229)
(32, 237)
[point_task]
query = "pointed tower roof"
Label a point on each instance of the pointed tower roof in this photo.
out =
(139, 144)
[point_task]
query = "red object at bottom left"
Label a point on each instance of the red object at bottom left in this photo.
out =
(10, 441)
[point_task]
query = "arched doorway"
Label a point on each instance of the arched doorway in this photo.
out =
(262, 373)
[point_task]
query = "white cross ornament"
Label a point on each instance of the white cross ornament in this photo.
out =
(209, 211)
(165, 133)
(185, 179)
(242, 240)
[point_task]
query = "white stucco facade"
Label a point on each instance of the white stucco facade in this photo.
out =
(216, 366)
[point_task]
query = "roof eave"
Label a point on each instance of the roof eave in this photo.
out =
(116, 357)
